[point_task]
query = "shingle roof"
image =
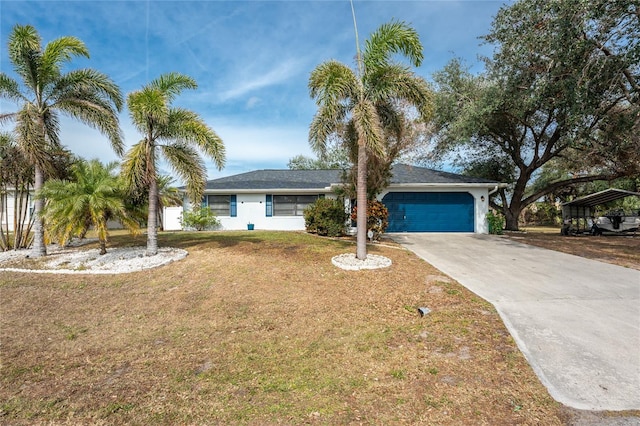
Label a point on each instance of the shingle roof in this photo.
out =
(278, 179)
(403, 173)
(321, 179)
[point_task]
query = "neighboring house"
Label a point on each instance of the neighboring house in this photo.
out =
(418, 199)
(10, 208)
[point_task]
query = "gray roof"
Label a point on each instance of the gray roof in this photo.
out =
(403, 173)
(321, 179)
(278, 179)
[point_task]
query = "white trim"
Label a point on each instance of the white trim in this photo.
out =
(441, 185)
(270, 191)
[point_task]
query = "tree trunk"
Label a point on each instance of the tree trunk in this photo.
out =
(511, 220)
(103, 246)
(361, 196)
(152, 219)
(4, 219)
(512, 213)
(39, 249)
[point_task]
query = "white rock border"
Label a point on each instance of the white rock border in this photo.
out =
(115, 261)
(349, 262)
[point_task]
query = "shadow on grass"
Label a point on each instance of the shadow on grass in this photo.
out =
(225, 239)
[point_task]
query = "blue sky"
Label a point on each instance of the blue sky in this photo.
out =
(251, 59)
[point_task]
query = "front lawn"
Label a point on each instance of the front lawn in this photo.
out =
(260, 328)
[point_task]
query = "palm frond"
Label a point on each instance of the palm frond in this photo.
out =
(188, 164)
(187, 127)
(168, 195)
(97, 113)
(148, 108)
(87, 81)
(7, 117)
(392, 118)
(335, 88)
(51, 128)
(325, 123)
(57, 52)
(10, 89)
(135, 167)
(367, 123)
(30, 137)
(25, 52)
(390, 38)
(172, 84)
(333, 82)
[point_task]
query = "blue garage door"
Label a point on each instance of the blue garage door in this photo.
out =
(430, 211)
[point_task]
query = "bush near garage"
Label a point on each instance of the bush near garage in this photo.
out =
(325, 217)
(377, 218)
(496, 223)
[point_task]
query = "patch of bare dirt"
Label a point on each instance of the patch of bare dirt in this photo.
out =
(622, 250)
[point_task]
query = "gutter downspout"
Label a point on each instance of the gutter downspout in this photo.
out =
(493, 191)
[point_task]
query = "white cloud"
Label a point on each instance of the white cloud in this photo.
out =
(259, 77)
(253, 101)
(247, 147)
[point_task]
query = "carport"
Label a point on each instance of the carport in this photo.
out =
(578, 214)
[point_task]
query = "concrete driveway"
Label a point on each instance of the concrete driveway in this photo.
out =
(576, 320)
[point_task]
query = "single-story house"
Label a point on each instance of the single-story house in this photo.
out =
(418, 199)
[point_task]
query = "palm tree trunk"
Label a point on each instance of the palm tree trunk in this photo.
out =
(361, 197)
(38, 249)
(152, 219)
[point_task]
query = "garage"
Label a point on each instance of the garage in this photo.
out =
(430, 211)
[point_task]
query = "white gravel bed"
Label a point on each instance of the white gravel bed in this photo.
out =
(349, 262)
(78, 261)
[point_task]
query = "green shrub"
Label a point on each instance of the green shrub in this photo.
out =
(200, 218)
(496, 223)
(377, 218)
(325, 217)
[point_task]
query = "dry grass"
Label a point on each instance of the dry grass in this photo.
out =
(259, 328)
(623, 250)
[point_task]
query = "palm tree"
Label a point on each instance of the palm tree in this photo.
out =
(178, 134)
(168, 196)
(95, 197)
(84, 94)
(365, 101)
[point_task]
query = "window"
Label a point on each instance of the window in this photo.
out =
(291, 205)
(222, 205)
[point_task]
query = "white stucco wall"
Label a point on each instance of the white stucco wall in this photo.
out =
(251, 208)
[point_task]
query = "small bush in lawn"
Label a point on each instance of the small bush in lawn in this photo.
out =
(200, 218)
(325, 217)
(377, 218)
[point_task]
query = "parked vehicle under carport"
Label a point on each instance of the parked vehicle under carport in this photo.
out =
(579, 214)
